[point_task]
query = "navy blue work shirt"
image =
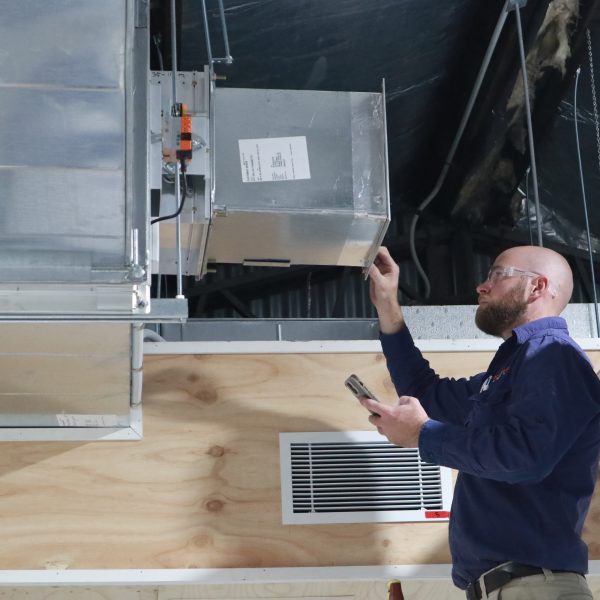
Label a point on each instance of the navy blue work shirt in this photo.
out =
(525, 438)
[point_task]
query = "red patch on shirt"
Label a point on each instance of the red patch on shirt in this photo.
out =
(500, 373)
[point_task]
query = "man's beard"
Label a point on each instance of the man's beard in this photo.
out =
(503, 314)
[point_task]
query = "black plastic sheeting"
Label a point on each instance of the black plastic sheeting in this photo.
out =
(429, 53)
(558, 167)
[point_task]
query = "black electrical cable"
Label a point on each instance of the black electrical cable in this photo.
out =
(183, 196)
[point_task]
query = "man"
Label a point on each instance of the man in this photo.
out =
(524, 436)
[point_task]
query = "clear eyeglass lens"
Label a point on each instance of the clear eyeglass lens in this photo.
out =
(494, 275)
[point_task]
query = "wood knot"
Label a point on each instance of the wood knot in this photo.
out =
(206, 396)
(216, 451)
(201, 541)
(215, 505)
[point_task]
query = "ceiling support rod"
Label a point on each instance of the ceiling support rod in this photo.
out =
(516, 5)
(227, 59)
(177, 168)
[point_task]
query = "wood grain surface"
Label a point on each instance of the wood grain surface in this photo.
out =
(201, 489)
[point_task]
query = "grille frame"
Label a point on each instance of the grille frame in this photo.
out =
(358, 477)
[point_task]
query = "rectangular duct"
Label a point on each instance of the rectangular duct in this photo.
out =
(73, 218)
(72, 164)
(332, 209)
(277, 177)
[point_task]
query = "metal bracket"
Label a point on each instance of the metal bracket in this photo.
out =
(227, 59)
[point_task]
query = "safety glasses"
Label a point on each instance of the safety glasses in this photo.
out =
(496, 274)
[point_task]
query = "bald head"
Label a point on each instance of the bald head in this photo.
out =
(545, 262)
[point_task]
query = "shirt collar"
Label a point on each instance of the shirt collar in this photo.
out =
(528, 330)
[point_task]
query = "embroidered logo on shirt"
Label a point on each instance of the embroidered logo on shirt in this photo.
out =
(493, 378)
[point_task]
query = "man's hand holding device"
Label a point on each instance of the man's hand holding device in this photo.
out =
(360, 391)
(400, 424)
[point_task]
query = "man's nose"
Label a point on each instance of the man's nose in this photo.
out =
(483, 287)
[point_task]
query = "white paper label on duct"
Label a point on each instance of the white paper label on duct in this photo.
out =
(274, 159)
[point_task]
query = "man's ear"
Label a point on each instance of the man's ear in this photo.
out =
(540, 285)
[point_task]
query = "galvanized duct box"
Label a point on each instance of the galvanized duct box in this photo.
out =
(73, 218)
(300, 177)
(73, 145)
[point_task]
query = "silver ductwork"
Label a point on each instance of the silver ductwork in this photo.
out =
(277, 177)
(274, 177)
(74, 268)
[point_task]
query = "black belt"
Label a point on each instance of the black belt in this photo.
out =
(500, 576)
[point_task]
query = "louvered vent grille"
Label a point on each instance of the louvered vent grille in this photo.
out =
(358, 477)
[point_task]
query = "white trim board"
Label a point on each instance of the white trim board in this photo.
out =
(330, 346)
(96, 577)
(220, 576)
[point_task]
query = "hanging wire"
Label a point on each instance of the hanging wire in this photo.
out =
(585, 209)
(454, 147)
(525, 195)
(536, 194)
(527, 205)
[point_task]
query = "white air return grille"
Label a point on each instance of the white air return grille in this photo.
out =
(358, 477)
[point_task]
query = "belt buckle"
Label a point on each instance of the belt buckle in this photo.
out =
(477, 590)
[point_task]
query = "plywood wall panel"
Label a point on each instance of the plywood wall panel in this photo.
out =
(201, 489)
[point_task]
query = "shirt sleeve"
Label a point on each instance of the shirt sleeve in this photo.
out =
(554, 397)
(444, 399)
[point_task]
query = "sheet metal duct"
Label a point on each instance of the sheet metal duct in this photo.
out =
(73, 166)
(69, 381)
(318, 192)
(278, 178)
(73, 218)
